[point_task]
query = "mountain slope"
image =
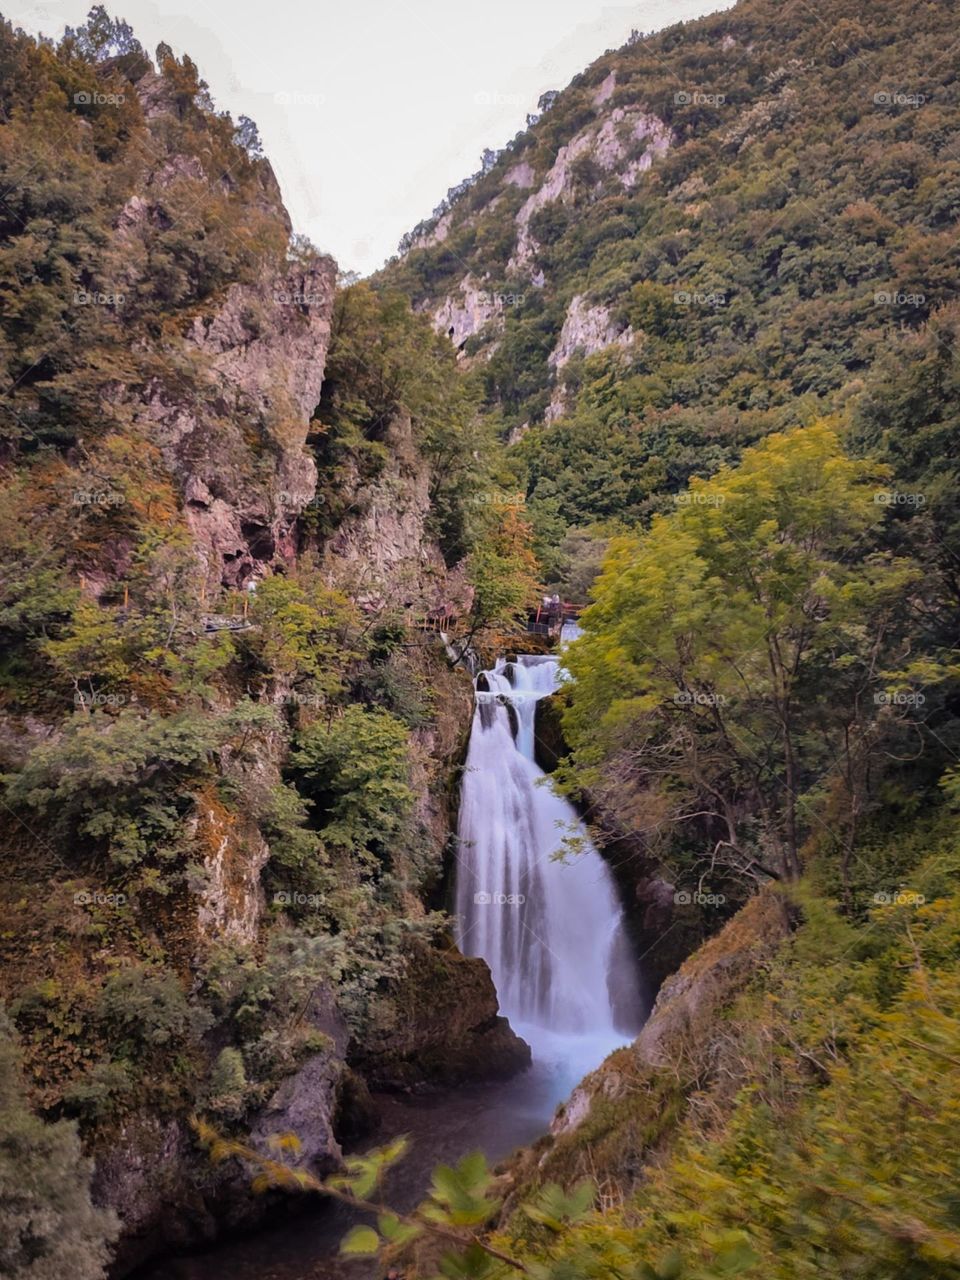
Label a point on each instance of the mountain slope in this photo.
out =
(713, 232)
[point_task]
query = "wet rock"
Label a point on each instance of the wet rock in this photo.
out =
(439, 1025)
(549, 746)
(306, 1104)
(167, 1193)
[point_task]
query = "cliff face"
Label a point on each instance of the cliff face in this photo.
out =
(206, 948)
(239, 454)
(162, 1186)
(381, 551)
(234, 395)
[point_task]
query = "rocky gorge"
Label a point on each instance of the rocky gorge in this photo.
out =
(509, 701)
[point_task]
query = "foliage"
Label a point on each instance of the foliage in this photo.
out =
(303, 632)
(47, 1219)
(356, 771)
(142, 1010)
(387, 368)
(121, 781)
(502, 570)
(228, 1082)
(734, 651)
(797, 232)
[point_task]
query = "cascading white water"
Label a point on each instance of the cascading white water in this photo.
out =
(549, 927)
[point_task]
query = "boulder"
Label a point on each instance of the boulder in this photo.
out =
(439, 1025)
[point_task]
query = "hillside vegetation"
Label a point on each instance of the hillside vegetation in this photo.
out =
(225, 742)
(733, 227)
(703, 381)
(709, 301)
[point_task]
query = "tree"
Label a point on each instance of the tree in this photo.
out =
(357, 772)
(733, 651)
(103, 37)
(389, 376)
(48, 1223)
(303, 631)
(502, 570)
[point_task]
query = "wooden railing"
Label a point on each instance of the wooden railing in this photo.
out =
(447, 623)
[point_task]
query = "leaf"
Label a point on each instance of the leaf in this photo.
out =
(397, 1232)
(472, 1264)
(360, 1241)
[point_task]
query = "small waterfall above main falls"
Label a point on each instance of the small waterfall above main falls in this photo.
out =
(551, 929)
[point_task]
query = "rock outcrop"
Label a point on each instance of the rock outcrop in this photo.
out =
(467, 312)
(231, 408)
(382, 552)
(439, 1024)
(586, 328)
(235, 854)
(624, 142)
(163, 1186)
(237, 451)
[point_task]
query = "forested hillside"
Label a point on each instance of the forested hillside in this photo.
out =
(709, 300)
(729, 228)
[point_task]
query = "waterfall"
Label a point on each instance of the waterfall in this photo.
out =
(549, 926)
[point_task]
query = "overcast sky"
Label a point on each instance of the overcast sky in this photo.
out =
(371, 109)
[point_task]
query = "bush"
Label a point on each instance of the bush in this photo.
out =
(49, 1226)
(357, 772)
(141, 1007)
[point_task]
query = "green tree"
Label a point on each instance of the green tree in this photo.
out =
(356, 770)
(387, 367)
(303, 631)
(734, 650)
(502, 569)
(48, 1223)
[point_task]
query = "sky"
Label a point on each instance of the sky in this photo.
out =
(369, 110)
